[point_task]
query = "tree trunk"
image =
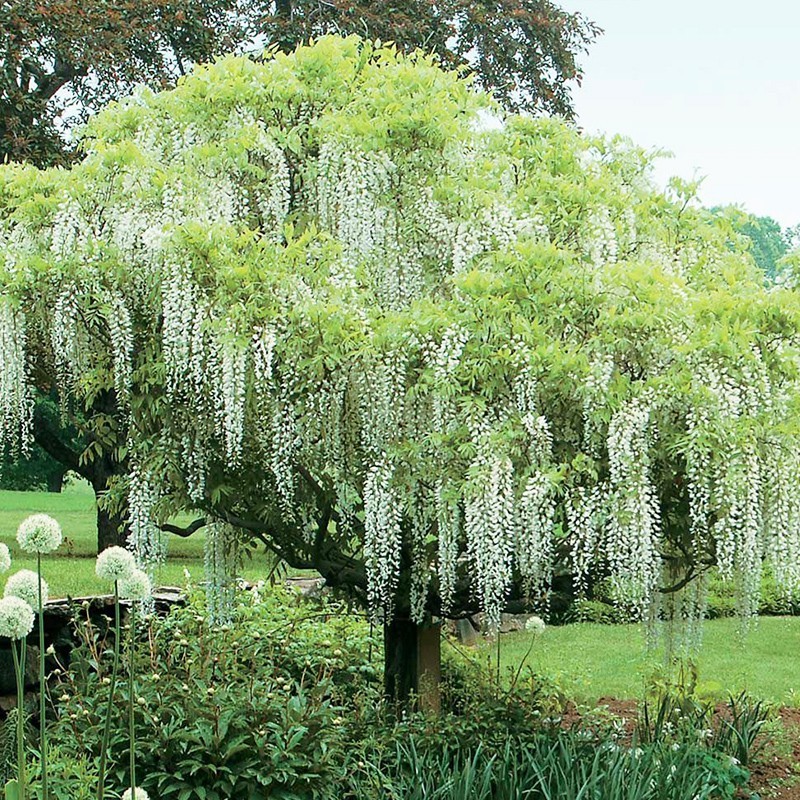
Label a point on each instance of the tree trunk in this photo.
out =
(55, 480)
(412, 664)
(111, 529)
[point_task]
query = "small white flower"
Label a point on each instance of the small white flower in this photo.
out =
(25, 585)
(39, 533)
(136, 587)
(16, 618)
(115, 564)
(5, 558)
(140, 794)
(535, 625)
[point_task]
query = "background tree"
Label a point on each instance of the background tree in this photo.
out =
(768, 243)
(39, 471)
(419, 357)
(524, 51)
(79, 56)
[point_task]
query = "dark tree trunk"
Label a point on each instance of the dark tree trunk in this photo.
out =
(55, 481)
(411, 667)
(111, 529)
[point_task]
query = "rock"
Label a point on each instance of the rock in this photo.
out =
(306, 587)
(466, 632)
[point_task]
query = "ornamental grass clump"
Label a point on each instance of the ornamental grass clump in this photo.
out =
(38, 533)
(16, 622)
(118, 565)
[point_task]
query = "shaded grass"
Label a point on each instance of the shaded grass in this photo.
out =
(70, 570)
(591, 661)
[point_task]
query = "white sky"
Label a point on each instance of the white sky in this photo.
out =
(716, 82)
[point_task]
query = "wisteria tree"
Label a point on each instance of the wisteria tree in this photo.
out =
(418, 352)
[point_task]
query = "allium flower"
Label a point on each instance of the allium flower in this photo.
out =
(115, 564)
(25, 585)
(39, 534)
(16, 618)
(141, 794)
(136, 587)
(5, 558)
(535, 625)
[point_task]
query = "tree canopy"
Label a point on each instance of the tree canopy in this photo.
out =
(82, 55)
(79, 56)
(419, 353)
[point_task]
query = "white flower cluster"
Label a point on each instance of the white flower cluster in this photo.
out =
(25, 585)
(115, 564)
(382, 538)
(233, 387)
(490, 526)
(221, 560)
(16, 405)
(5, 557)
(139, 794)
(585, 514)
(145, 539)
(120, 329)
(634, 514)
(136, 587)
(39, 533)
(600, 238)
(383, 405)
(16, 618)
(350, 187)
(449, 528)
(64, 337)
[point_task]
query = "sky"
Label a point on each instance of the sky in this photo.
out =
(715, 82)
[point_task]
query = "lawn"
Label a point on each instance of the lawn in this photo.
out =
(591, 660)
(70, 570)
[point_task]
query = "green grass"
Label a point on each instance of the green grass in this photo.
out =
(591, 660)
(70, 570)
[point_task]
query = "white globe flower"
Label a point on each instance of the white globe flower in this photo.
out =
(25, 585)
(141, 794)
(16, 618)
(115, 564)
(39, 533)
(535, 625)
(136, 587)
(5, 558)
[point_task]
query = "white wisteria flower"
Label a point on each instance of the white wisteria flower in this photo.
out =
(115, 564)
(136, 587)
(39, 533)
(140, 794)
(25, 585)
(5, 558)
(16, 618)
(535, 625)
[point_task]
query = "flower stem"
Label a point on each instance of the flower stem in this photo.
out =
(19, 669)
(42, 733)
(131, 695)
(107, 729)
